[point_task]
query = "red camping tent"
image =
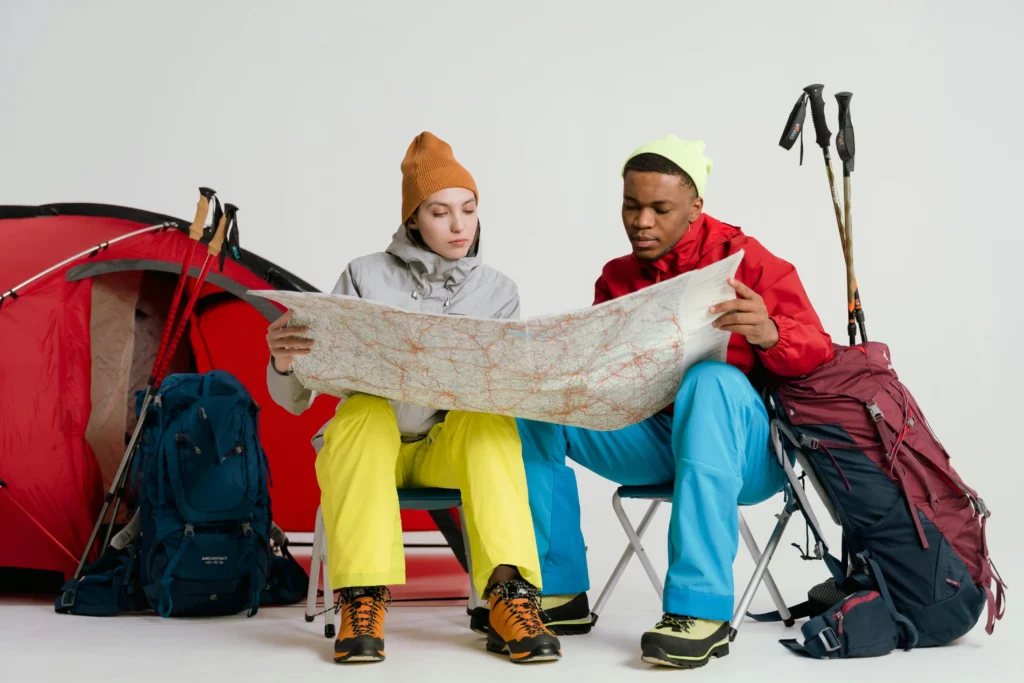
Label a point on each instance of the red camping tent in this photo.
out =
(77, 342)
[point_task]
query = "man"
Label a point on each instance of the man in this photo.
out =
(712, 442)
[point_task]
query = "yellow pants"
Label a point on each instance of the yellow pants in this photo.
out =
(363, 463)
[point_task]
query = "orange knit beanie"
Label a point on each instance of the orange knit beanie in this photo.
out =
(429, 166)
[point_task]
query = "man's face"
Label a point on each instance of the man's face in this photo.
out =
(657, 209)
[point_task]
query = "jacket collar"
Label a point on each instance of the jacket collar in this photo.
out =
(431, 270)
(681, 258)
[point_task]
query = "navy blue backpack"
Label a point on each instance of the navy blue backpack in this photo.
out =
(203, 510)
(205, 502)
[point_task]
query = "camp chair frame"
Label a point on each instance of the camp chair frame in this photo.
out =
(662, 494)
(408, 499)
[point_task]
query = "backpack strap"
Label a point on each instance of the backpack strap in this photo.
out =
(997, 601)
(807, 608)
(166, 601)
(254, 584)
(777, 430)
(908, 628)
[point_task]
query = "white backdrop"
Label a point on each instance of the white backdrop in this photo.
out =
(300, 113)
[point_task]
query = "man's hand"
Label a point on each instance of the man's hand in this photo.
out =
(748, 316)
(286, 343)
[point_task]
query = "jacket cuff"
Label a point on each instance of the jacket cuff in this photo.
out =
(291, 371)
(783, 325)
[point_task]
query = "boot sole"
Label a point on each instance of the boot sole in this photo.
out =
(359, 651)
(576, 627)
(358, 658)
(542, 653)
(656, 655)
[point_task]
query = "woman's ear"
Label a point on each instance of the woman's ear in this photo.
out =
(411, 223)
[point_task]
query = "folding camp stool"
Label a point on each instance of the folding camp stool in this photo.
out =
(408, 499)
(662, 494)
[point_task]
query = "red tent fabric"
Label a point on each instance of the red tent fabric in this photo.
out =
(77, 342)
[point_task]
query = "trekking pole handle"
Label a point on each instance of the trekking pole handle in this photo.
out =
(822, 134)
(195, 231)
(794, 125)
(844, 137)
(218, 237)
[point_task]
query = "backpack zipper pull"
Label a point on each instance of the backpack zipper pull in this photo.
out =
(839, 619)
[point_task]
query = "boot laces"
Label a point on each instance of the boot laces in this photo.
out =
(523, 605)
(364, 607)
(676, 622)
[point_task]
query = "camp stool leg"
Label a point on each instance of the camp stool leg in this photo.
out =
(628, 553)
(330, 613)
(761, 571)
(314, 567)
(769, 582)
(474, 598)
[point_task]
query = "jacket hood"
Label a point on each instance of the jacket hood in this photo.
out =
(431, 270)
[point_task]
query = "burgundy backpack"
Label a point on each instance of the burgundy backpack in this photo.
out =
(908, 520)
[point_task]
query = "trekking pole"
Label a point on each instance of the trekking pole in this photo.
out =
(213, 250)
(823, 138)
(116, 491)
(845, 147)
(164, 360)
(196, 233)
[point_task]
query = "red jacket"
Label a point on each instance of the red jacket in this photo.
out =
(803, 343)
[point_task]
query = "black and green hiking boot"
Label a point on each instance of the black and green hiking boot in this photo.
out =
(563, 615)
(684, 642)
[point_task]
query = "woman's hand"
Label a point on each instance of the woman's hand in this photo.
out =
(286, 342)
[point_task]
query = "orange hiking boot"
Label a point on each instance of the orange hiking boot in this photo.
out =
(361, 638)
(516, 628)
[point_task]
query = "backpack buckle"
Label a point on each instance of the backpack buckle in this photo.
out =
(981, 508)
(829, 647)
(67, 598)
(876, 412)
(190, 531)
(246, 529)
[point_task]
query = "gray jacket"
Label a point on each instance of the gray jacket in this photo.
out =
(412, 277)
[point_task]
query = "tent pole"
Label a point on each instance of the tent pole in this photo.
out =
(13, 292)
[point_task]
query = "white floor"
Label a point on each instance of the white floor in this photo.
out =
(433, 642)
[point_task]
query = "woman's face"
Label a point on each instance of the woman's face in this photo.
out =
(447, 222)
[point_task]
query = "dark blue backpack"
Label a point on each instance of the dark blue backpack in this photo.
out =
(909, 522)
(204, 498)
(201, 540)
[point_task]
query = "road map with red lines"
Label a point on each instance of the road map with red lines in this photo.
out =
(604, 367)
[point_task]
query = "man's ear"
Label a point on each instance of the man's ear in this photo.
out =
(696, 208)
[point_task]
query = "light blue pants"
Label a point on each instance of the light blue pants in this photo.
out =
(715, 451)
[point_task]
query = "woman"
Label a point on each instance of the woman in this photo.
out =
(373, 447)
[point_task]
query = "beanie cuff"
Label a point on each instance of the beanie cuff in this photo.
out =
(433, 181)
